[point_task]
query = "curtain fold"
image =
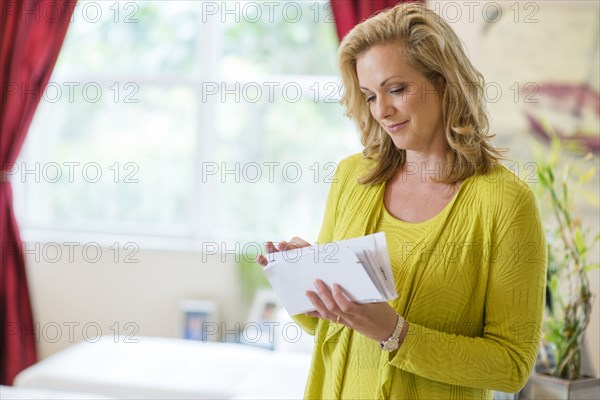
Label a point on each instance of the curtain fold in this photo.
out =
(348, 13)
(32, 33)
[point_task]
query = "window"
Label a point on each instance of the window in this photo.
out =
(188, 119)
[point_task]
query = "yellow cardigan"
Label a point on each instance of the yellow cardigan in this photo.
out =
(472, 290)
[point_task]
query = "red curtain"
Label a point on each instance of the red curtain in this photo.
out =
(32, 32)
(348, 13)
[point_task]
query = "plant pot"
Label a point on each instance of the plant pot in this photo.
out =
(541, 386)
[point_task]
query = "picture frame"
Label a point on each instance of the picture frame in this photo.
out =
(198, 319)
(261, 324)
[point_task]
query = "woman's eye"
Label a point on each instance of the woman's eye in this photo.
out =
(397, 91)
(370, 99)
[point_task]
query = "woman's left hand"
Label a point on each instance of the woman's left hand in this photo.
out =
(374, 320)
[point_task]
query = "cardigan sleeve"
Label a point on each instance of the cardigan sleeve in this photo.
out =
(503, 357)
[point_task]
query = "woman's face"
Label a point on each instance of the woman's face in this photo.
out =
(401, 99)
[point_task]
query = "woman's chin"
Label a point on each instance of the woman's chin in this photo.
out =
(401, 144)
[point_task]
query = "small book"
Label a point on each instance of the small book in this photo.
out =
(361, 266)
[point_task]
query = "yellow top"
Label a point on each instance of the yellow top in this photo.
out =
(470, 281)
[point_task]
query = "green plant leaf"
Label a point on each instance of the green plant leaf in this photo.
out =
(580, 242)
(591, 267)
(589, 174)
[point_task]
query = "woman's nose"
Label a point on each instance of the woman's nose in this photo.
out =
(383, 108)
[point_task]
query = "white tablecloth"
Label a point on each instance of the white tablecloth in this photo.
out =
(159, 368)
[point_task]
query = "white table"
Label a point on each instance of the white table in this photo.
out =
(160, 368)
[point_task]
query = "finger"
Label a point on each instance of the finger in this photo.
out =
(327, 298)
(321, 309)
(295, 243)
(262, 260)
(341, 299)
(282, 246)
(270, 248)
(299, 242)
(314, 314)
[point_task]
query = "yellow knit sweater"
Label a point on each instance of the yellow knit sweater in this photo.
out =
(471, 283)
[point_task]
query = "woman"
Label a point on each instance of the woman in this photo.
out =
(464, 234)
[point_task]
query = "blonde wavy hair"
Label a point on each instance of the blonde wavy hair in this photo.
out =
(431, 46)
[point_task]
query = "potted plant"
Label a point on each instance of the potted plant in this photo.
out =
(568, 298)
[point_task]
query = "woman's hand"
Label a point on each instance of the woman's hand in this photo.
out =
(294, 243)
(374, 320)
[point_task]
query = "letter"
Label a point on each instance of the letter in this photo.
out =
(71, 168)
(10, 169)
(57, 175)
(57, 89)
(296, 86)
(298, 174)
(85, 252)
(235, 251)
(286, 337)
(209, 249)
(271, 167)
(208, 8)
(30, 8)
(271, 86)
(468, 4)
(35, 172)
(96, 13)
(209, 89)
(71, 247)
(71, 86)
(45, 335)
(87, 337)
(209, 329)
(58, 252)
(209, 169)
(251, 178)
(235, 12)
(236, 332)
(85, 92)
(235, 172)
(285, 13)
(35, 251)
(235, 91)
(256, 87)
(98, 169)
(271, 9)
(257, 12)
(71, 326)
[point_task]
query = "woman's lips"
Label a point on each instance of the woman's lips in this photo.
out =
(396, 127)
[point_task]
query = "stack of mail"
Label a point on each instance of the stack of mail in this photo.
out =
(361, 266)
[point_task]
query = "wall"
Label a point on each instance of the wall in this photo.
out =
(146, 294)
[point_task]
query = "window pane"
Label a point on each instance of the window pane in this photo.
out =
(288, 37)
(126, 162)
(131, 37)
(273, 164)
(135, 135)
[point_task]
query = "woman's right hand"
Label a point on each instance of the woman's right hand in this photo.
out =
(294, 243)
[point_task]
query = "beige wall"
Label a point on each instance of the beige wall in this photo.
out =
(146, 294)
